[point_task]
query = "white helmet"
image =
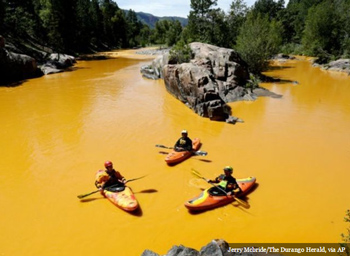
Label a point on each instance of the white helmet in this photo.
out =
(184, 131)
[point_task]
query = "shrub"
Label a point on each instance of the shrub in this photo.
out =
(180, 53)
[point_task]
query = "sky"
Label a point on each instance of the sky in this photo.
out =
(161, 8)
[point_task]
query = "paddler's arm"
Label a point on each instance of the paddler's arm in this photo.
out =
(234, 189)
(177, 143)
(98, 185)
(121, 178)
(217, 180)
(189, 146)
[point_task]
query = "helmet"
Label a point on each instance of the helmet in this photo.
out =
(229, 169)
(108, 163)
(184, 131)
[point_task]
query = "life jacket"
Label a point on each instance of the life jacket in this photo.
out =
(101, 177)
(182, 141)
(223, 184)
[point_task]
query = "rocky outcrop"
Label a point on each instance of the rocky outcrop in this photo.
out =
(56, 63)
(214, 248)
(155, 69)
(217, 247)
(213, 77)
(15, 67)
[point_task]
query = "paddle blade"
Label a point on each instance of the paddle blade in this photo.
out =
(200, 153)
(85, 195)
(196, 173)
(161, 146)
(241, 202)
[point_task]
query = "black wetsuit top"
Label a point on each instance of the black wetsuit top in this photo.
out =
(185, 143)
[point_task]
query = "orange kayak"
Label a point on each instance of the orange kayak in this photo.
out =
(122, 197)
(175, 157)
(208, 200)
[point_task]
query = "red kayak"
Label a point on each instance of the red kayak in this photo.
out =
(210, 199)
(175, 157)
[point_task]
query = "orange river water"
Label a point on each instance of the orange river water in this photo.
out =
(57, 131)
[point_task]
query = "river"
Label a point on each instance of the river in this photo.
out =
(58, 130)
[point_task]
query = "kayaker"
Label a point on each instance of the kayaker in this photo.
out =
(184, 143)
(110, 177)
(226, 182)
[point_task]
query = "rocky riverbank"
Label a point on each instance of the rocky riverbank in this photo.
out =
(217, 247)
(341, 65)
(16, 65)
(154, 51)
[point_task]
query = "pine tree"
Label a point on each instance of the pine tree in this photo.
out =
(199, 19)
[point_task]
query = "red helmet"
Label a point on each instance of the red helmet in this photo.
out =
(108, 163)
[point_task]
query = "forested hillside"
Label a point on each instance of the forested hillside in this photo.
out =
(312, 27)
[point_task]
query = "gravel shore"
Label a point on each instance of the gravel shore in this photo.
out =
(155, 51)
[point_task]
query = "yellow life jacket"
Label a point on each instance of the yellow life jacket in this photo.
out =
(101, 177)
(223, 184)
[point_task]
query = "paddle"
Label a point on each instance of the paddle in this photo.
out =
(203, 160)
(113, 186)
(245, 204)
(196, 153)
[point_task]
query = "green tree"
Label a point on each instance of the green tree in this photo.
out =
(145, 35)
(108, 9)
(19, 17)
(50, 16)
(160, 31)
(342, 9)
(235, 19)
(134, 27)
(120, 28)
(258, 40)
(268, 7)
(218, 28)
(96, 22)
(84, 25)
(322, 31)
(199, 22)
(174, 33)
(295, 16)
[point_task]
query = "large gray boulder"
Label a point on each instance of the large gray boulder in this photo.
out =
(213, 77)
(56, 63)
(14, 66)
